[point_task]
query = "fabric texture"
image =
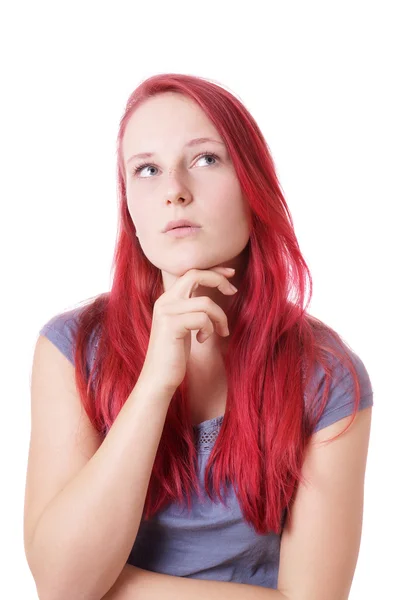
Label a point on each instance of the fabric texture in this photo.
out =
(214, 542)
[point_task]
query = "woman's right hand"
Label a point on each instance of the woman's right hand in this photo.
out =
(175, 315)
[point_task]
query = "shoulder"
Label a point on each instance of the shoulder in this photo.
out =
(61, 330)
(341, 388)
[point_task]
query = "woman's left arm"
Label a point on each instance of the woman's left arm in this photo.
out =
(138, 584)
(320, 542)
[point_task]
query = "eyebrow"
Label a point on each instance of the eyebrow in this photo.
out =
(193, 142)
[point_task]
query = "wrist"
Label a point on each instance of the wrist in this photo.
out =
(152, 388)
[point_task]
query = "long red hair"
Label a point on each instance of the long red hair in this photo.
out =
(274, 342)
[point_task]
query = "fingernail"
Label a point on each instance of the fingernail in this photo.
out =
(233, 287)
(229, 269)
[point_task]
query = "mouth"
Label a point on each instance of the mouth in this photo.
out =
(184, 231)
(179, 223)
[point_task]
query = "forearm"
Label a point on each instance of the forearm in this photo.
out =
(84, 536)
(139, 584)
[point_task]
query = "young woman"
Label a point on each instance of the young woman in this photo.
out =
(178, 423)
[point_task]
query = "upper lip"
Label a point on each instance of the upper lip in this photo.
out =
(179, 223)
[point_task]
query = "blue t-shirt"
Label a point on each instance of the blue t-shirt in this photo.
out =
(213, 542)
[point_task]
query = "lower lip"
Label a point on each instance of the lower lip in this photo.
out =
(180, 232)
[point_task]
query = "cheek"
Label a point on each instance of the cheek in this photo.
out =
(137, 212)
(221, 195)
(228, 205)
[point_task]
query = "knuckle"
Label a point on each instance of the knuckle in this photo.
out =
(158, 310)
(204, 319)
(193, 273)
(158, 303)
(208, 302)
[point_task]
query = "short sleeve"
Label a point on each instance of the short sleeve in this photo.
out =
(59, 330)
(340, 402)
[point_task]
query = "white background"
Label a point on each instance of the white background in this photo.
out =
(318, 77)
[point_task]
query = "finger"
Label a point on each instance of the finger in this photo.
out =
(197, 321)
(200, 304)
(224, 270)
(189, 282)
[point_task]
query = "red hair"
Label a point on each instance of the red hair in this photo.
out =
(273, 348)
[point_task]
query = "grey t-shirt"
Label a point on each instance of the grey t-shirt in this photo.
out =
(211, 541)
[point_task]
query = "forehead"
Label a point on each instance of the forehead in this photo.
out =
(166, 121)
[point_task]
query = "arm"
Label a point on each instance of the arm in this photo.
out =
(319, 546)
(138, 584)
(78, 544)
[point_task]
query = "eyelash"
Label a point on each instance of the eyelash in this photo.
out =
(142, 166)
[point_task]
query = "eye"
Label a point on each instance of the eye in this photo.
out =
(211, 154)
(143, 166)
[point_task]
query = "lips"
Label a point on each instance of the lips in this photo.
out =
(178, 224)
(183, 232)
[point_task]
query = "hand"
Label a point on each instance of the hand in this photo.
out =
(175, 315)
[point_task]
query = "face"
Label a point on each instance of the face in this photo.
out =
(183, 180)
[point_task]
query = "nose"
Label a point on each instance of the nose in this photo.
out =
(178, 199)
(177, 191)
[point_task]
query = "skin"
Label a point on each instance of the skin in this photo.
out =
(180, 184)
